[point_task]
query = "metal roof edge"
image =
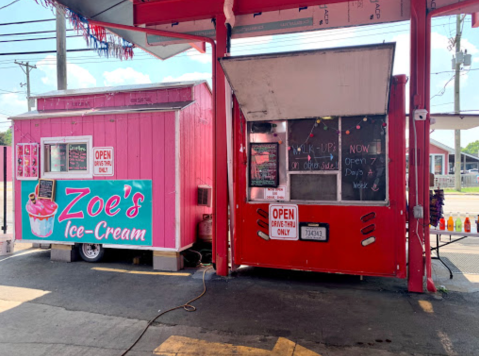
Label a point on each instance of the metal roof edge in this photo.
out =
(118, 89)
(176, 106)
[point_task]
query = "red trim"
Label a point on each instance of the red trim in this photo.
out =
(168, 11)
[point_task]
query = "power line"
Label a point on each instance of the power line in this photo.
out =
(28, 33)
(43, 52)
(13, 2)
(11, 92)
(38, 39)
(24, 22)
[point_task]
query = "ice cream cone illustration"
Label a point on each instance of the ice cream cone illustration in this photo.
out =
(41, 213)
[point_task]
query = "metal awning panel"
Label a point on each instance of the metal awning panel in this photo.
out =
(329, 82)
(121, 12)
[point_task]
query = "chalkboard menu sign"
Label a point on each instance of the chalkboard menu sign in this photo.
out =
(263, 165)
(313, 145)
(363, 166)
(46, 189)
(58, 157)
(77, 157)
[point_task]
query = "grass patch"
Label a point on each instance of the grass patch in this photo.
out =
(463, 190)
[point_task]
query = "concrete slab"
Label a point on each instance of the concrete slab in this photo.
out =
(167, 261)
(63, 253)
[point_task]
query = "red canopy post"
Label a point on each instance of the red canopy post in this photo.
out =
(418, 152)
(220, 191)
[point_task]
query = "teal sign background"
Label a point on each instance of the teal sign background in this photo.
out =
(94, 226)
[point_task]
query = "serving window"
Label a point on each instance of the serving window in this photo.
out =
(329, 159)
(67, 157)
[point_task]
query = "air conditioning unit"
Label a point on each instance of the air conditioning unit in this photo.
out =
(204, 195)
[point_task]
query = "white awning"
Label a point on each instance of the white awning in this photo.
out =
(328, 82)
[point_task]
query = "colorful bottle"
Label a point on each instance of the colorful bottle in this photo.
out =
(467, 224)
(458, 223)
(450, 223)
(442, 224)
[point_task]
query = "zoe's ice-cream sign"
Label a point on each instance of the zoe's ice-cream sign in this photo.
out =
(95, 211)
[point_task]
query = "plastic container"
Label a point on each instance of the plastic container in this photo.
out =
(442, 224)
(467, 224)
(450, 223)
(458, 223)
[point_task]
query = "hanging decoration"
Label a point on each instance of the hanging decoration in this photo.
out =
(104, 43)
(436, 202)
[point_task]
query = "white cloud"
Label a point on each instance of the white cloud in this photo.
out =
(439, 41)
(194, 55)
(77, 76)
(12, 104)
(188, 76)
(401, 59)
(123, 76)
(325, 38)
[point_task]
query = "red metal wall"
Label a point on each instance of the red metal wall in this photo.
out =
(344, 252)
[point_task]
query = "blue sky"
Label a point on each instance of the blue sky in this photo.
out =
(87, 69)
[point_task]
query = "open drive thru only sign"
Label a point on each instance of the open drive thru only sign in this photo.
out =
(283, 222)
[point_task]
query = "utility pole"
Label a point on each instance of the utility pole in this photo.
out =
(27, 70)
(61, 50)
(457, 107)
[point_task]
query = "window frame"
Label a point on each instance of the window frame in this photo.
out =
(88, 140)
(432, 157)
(339, 200)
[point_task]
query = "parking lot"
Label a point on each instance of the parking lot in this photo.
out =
(79, 308)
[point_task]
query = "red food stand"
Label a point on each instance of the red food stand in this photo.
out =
(318, 162)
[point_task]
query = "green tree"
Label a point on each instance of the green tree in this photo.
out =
(6, 138)
(472, 148)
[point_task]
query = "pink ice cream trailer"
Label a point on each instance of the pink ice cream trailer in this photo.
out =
(115, 167)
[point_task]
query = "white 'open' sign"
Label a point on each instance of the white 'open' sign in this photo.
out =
(103, 161)
(283, 222)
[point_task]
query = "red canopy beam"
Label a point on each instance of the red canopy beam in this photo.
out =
(168, 11)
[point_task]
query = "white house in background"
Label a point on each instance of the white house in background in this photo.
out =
(441, 159)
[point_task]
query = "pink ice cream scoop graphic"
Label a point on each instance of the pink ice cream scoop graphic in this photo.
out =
(42, 215)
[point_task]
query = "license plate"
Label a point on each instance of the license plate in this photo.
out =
(314, 232)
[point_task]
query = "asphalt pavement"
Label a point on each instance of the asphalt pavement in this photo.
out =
(78, 308)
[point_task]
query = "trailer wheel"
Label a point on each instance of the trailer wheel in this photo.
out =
(91, 252)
